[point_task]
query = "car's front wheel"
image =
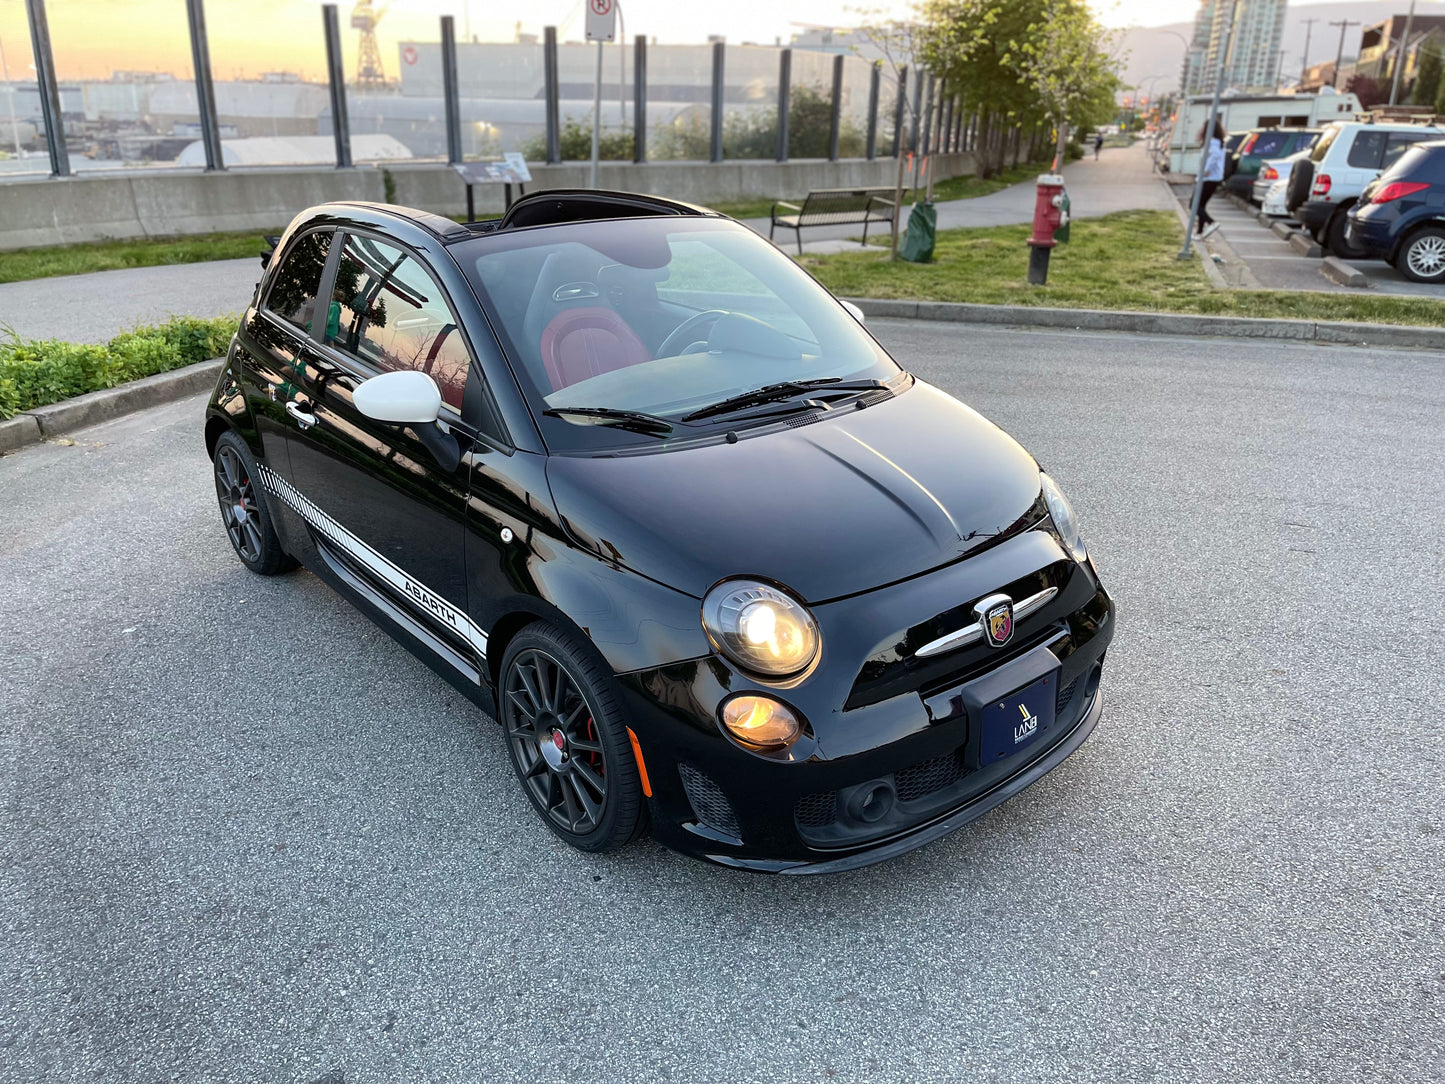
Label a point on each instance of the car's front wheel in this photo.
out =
(243, 508)
(567, 740)
(1422, 256)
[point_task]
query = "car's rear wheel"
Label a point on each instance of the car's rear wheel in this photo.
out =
(1422, 256)
(1334, 238)
(568, 743)
(243, 508)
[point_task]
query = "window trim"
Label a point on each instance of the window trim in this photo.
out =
(327, 270)
(502, 439)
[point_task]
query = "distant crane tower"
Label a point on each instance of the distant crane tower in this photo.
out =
(369, 74)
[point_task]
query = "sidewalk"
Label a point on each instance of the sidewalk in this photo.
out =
(95, 307)
(1121, 180)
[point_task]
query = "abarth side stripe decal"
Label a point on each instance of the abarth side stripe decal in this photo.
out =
(417, 593)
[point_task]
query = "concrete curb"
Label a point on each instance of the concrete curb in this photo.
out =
(57, 419)
(1305, 245)
(1157, 323)
(1282, 230)
(1336, 270)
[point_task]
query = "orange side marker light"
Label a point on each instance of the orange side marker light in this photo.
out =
(641, 764)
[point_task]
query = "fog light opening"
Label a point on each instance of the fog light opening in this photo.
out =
(760, 721)
(1092, 686)
(873, 803)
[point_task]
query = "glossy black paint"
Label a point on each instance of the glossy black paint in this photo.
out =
(890, 521)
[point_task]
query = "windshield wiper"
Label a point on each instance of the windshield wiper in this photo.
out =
(622, 419)
(784, 389)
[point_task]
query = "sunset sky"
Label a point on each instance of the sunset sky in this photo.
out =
(94, 37)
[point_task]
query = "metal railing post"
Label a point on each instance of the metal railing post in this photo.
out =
(639, 98)
(926, 146)
(899, 105)
(205, 90)
(451, 93)
(50, 110)
(946, 132)
(336, 78)
(785, 89)
(917, 109)
(549, 79)
(717, 101)
(875, 82)
(835, 112)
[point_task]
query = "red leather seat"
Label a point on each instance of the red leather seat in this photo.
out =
(582, 343)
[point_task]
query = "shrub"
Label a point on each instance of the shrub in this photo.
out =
(576, 143)
(35, 372)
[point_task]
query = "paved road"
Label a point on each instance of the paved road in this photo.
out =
(246, 837)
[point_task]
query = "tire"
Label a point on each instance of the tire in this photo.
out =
(1334, 238)
(1422, 257)
(244, 513)
(1301, 180)
(585, 785)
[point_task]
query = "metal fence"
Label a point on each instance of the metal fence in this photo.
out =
(445, 100)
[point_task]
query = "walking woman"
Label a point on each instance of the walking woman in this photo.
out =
(1212, 163)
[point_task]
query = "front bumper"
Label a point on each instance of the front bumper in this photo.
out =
(920, 741)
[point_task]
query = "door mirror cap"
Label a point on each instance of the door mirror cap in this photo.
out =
(404, 397)
(853, 310)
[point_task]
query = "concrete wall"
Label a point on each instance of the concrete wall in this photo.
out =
(156, 204)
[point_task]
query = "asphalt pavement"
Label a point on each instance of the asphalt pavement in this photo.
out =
(247, 837)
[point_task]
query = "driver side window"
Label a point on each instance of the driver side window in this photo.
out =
(386, 312)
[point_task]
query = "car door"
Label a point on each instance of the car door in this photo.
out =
(276, 331)
(386, 515)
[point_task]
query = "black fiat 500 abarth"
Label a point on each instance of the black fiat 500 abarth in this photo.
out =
(628, 476)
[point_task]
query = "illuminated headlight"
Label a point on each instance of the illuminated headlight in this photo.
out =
(1062, 513)
(760, 627)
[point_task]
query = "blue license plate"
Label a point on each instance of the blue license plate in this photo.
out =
(1014, 722)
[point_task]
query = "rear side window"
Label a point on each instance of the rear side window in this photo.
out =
(386, 311)
(1323, 146)
(1400, 142)
(1269, 144)
(293, 289)
(1368, 149)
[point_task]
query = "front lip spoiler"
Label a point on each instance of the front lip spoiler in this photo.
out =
(970, 812)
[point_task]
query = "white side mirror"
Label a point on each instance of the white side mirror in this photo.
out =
(405, 397)
(854, 309)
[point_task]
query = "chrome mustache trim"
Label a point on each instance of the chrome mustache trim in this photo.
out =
(969, 633)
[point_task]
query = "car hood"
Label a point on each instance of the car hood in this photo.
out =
(853, 501)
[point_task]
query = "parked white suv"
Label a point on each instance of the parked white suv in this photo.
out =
(1348, 156)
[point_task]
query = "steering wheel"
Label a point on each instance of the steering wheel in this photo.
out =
(686, 331)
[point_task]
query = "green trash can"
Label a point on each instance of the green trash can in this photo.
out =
(922, 231)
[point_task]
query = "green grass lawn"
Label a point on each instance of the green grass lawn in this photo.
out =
(40, 263)
(1123, 261)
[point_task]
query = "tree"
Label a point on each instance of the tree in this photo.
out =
(1065, 64)
(1371, 92)
(1427, 75)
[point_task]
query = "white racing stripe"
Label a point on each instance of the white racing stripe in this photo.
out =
(417, 593)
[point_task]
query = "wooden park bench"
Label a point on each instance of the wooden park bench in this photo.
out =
(835, 207)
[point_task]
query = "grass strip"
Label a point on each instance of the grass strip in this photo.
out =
(41, 263)
(1126, 261)
(37, 372)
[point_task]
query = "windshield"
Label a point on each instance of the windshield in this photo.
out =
(660, 316)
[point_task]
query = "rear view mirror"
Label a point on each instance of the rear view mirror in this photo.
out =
(404, 397)
(853, 309)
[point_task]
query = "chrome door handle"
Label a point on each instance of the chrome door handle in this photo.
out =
(304, 418)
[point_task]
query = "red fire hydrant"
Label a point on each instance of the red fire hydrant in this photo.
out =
(1050, 215)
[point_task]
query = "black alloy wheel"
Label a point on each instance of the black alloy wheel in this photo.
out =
(243, 510)
(566, 741)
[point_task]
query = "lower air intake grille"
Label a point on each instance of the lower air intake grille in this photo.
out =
(816, 810)
(708, 801)
(1066, 694)
(923, 779)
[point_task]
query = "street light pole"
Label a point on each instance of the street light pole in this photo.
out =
(1224, 59)
(1400, 54)
(1343, 24)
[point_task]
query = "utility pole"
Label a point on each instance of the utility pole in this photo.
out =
(1400, 54)
(10, 97)
(1343, 24)
(1304, 60)
(1224, 59)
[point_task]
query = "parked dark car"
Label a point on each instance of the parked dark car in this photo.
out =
(1400, 216)
(1242, 167)
(633, 481)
